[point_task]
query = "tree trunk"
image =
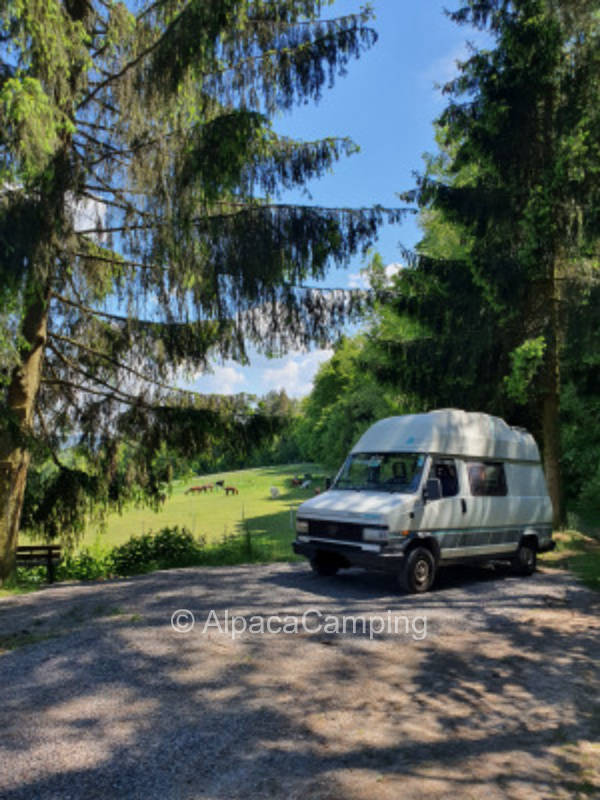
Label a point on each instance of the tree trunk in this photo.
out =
(14, 455)
(551, 407)
(551, 436)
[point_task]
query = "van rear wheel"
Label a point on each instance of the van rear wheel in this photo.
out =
(419, 571)
(525, 559)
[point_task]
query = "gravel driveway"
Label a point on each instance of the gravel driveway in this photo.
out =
(489, 687)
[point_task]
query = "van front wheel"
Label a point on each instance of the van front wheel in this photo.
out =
(419, 571)
(324, 565)
(525, 559)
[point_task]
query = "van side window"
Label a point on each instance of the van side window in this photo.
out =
(487, 478)
(444, 469)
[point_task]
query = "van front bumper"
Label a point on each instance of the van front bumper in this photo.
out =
(352, 555)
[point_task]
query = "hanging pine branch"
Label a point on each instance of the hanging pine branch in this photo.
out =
(141, 228)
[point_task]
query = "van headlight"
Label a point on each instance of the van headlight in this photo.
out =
(301, 526)
(375, 534)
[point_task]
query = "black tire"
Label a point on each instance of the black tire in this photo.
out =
(324, 565)
(524, 561)
(419, 571)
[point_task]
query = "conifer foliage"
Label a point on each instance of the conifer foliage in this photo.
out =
(512, 218)
(141, 230)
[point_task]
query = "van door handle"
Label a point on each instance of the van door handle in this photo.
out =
(463, 503)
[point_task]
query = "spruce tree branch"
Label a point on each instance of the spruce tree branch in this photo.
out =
(116, 191)
(114, 261)
(88, 390)
(149, 9)
(275, 23)
(130, 64)
(123, 206)
(112, 190)
(96, 125)
(120, 365)
(268, 54)
(117, 229)
(89, 376)
(95, 141)
(92, 311)
(51, 450)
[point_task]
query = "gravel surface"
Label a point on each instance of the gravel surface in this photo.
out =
(101, 698)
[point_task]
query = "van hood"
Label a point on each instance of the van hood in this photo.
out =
(363, 506)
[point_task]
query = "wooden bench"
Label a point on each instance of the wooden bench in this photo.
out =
(39, 555)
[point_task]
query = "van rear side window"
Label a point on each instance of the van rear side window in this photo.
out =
(487, 478)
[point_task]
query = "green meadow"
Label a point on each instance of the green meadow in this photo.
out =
(215, 515)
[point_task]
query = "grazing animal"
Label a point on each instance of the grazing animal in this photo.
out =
(274, 492)
(296, 481)
(220, 483)
(306, 484)
(194, 489)
(209, 486)
(231, 490)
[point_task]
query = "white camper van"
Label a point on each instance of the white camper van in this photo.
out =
(424, 490)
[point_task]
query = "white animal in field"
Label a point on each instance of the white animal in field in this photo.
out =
(274, 492)
(306, 484)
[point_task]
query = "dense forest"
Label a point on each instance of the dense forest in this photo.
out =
(498, 307)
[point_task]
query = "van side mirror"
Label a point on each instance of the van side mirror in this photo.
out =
(432, 490)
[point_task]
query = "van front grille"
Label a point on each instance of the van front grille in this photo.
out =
(345, 531)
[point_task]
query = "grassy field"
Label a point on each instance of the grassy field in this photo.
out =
(576, 552)
(214, 515)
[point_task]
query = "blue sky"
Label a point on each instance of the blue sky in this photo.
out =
(386, 104)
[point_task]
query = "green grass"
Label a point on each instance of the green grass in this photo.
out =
(215, 516)
(576, 552)
(15, 640)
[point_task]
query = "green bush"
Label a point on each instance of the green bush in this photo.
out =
(82, 567)
(170, 547)
(174, 547)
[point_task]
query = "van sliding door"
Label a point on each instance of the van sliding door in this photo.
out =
(492, 534)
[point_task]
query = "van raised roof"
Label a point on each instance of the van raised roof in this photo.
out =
(450, 432)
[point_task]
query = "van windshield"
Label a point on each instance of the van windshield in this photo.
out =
(381, 472)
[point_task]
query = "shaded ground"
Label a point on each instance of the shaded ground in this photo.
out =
(101, 698)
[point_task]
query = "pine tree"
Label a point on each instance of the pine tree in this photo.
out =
(522, 134)
(140, 228)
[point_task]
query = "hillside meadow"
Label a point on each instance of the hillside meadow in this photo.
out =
(215, 515)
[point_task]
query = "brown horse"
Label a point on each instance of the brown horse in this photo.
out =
(231, 490)
(196, 489)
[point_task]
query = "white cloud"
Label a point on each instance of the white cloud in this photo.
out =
(295, 374)
(357, 280)
(393, 269)
(221, 380)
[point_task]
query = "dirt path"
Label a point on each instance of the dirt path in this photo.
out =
(500, 699)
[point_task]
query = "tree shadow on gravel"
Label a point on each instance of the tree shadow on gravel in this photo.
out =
(455, 587)
(124, 707)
